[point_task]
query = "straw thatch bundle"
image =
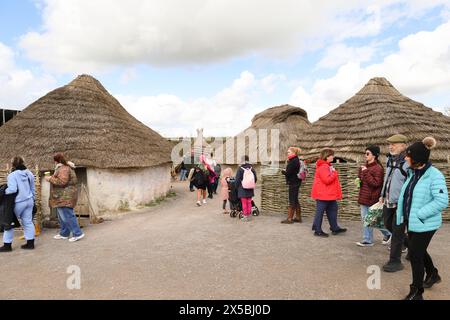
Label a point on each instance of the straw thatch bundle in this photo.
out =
(289, 120)
(375, 113)
(84, 121)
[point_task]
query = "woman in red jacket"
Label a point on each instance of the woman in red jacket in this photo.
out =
(371, 176)
(326, 190)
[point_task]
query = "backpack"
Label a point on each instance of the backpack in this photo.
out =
(200, 177)
(248, 180)
(303, 172)
(398, 165)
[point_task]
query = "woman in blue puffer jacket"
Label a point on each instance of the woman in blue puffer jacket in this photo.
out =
(422, 199)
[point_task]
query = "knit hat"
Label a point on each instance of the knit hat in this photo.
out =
(374, 149)
(419, 152)
(397, 138)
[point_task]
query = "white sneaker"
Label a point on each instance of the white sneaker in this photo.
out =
(386, 241)
(364, 244)
(204, 201)
(60, 237)
(199, 203)
(73, 239)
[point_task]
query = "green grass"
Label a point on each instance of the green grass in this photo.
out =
(159, 200)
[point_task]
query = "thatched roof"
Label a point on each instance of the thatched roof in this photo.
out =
(289, 120)
(375, 113)
(85, 122)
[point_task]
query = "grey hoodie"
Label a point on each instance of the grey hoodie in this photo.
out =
(393, 181)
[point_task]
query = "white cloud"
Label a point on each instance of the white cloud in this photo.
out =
(226, 113)
(90, 35)
(19, 87)
(420, 68)
(339, 54)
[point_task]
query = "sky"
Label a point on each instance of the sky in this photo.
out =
(181, 65)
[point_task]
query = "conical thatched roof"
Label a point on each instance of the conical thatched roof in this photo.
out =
(375, 113)
(289, 120)
(85, 122)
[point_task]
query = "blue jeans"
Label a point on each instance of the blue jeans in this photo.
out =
(368, 231)
(68, 222)
(24, 213)
(183, 174)
(331, 209)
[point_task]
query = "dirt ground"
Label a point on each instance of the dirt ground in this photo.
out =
(179, 251)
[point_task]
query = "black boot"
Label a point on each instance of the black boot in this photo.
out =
(414, 293)
(29, 245)
(6, 247)
(431, 279)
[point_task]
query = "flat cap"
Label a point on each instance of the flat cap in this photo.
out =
(397, 138)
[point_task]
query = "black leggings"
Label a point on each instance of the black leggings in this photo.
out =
(224, 204)
(293, 195)
(419, 257)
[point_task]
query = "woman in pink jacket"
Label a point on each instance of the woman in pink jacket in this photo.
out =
(326, 190)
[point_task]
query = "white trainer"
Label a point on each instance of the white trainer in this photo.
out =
(60, 237)
(204, 201)
(73, 239)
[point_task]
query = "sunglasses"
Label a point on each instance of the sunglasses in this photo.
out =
(368, 154)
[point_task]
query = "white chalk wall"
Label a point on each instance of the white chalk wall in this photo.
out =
(112, 190)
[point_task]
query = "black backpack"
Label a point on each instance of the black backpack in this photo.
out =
(199, 177)
(398, 165)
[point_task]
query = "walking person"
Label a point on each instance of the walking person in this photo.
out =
(371, 176)
(246, 182)
(183, 171)
(217, 171)
(224, 192)
(294, 183)
(63, 197)
(21, 181)
(191, 181)
(199, 180)
(326, 190)
(395, 176)
(422, 199)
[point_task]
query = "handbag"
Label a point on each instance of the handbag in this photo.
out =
(374, 217)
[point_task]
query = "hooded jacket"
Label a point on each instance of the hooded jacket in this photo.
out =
(429, 199)
(326, 185)
(22, 182)
(63, 187)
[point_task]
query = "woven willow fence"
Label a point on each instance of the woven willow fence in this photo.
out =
(38, 218)
(274, 193)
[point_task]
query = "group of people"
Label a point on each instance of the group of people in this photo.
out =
(413, 194)
(207, 174)
(18, 196)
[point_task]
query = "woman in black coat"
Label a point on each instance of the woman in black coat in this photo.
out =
(245, 195)
(292, 180)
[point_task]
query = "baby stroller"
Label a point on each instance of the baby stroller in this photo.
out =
(235, 202)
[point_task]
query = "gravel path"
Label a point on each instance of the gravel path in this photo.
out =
(180, 251)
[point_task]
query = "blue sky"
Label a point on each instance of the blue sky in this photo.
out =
(178, 65)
